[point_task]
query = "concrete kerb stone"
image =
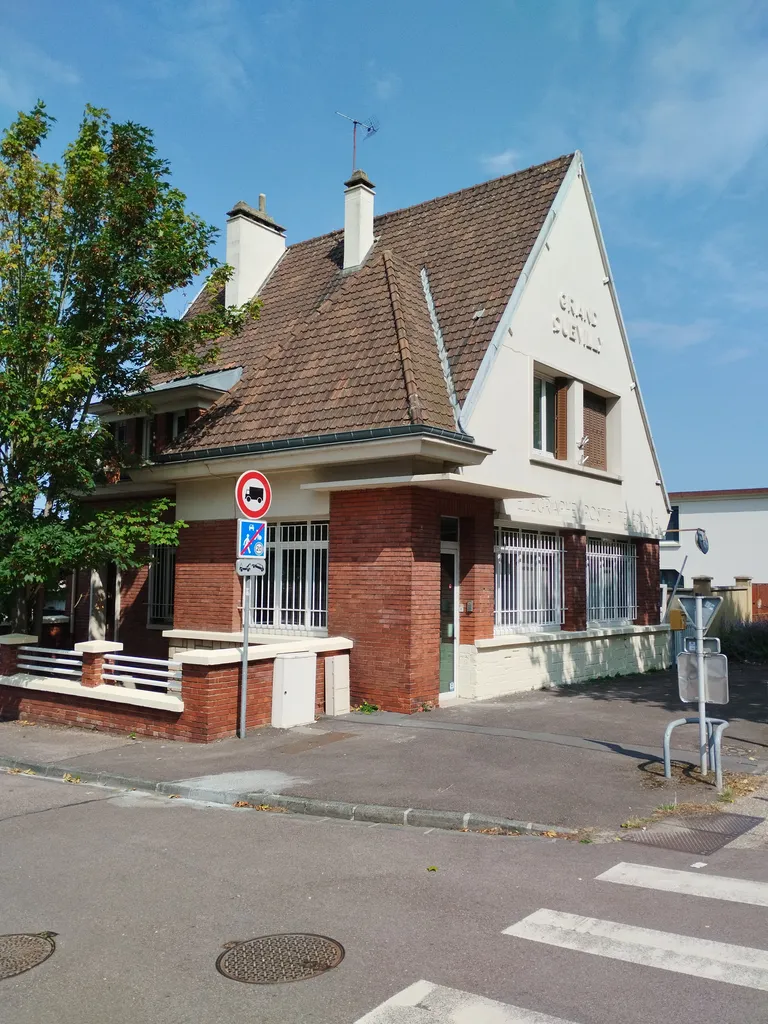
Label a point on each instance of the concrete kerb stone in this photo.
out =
(373, 813)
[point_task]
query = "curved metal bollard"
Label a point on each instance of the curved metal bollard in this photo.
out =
(715, 730)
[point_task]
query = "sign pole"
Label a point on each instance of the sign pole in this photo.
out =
(247, 584)
(699, 624)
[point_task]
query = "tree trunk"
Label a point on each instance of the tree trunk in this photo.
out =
(19, 612)
(37, 623)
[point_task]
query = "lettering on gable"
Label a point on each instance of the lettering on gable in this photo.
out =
(577, 323)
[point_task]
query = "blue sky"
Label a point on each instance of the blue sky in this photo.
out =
(667, 101)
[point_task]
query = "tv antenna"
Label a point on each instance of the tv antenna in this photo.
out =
(371, 126)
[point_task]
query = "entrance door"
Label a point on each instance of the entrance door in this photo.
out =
(449, 604)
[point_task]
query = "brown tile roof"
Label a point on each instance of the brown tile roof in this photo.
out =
(336, 352)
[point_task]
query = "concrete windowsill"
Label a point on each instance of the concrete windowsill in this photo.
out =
(570, 467)
(561, 636)
(264, 652)
(105, 692)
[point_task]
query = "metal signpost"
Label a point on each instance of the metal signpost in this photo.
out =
(253, 496)
(702, 611)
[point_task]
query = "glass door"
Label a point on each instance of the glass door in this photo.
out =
(448, 607)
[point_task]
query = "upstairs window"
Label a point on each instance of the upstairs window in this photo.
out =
(595, 416)
(550, 418)
(673, 527)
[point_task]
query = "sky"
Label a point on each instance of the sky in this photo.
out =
(667, 100)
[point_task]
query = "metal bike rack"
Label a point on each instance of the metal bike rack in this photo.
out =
(715, 729)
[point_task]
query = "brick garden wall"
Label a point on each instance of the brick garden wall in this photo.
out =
(384, 587)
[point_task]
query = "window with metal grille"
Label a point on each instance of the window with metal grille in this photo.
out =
(595, 417)
(293, 593)
(529, 580)
(611, 581)
(162, 572)
(673, 527)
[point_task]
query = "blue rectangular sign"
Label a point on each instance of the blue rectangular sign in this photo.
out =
(251, 538)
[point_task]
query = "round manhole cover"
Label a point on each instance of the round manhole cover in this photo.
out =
(19, 953)
(273, 959)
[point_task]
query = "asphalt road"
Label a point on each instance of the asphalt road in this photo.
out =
(144, 892)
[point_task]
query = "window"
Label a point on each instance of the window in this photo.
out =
(529, 580)
(162, 572)
(178, 423)
(672, 578)
(595, 415)
(147, 424)
(293, 594)
(544, 415)
(120, 432)
(673, 527)
(611, 581)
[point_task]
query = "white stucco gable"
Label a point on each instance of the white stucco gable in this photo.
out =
(563, 321)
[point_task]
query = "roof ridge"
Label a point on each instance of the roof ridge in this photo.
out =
(415, 411)
(398, 211)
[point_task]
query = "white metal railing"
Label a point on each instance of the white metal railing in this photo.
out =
(50, 661)
(133, 672)
(529, 580)
(611, 581)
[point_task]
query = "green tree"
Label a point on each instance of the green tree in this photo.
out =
(89, 250)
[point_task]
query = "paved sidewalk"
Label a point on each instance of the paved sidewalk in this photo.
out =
(579, 757)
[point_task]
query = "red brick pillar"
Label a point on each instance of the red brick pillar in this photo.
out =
(648, 583)
(575, 579)
(93, 652)
(476, 574)
(9, 651)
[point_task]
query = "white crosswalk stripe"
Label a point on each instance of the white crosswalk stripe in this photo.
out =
(702, 958)
(716, 887)
(425, 1003)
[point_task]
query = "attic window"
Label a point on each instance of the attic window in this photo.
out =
(550, 416)
(595, 416)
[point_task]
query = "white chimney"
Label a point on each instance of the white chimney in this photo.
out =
(358, 219)
(254, 245)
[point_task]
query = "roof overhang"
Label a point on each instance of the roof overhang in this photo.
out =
(202, 390)
(441, 448)
(455, 483)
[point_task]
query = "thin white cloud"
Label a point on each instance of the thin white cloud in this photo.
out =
(731, 355)
(700, 111)
(500, 163)
(670, 335)
(27, 73)
(386, 86)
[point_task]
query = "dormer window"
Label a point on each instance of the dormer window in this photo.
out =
(178, 423)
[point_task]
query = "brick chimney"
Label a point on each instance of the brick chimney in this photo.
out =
(255, 243)
(358, 219)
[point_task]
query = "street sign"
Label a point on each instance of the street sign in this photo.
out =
(709, 606)
(251, 566)
(251, 538)
(253, 495)
(715, 678)
(711, 644)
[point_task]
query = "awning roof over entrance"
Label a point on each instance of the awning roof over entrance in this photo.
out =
(453, 482)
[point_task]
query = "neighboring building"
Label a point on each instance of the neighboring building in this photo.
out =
(464, 479)
(736, 524)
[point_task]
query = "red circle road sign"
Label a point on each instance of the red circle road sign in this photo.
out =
(253, 495)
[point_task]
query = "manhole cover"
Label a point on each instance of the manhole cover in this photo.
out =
(685, 840)
(273, 959)
(19, 953)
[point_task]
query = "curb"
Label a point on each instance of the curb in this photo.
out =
(418, 817)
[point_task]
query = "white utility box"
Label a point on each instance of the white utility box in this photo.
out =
(293, 690)
(337, 684)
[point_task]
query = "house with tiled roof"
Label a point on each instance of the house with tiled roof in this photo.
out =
(464, 481)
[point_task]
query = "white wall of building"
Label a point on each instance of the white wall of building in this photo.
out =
(569, 272)
(737, 529)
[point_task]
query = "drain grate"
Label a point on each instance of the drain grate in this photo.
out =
(19, 953)
(730, 825)
(274, 959)
(685, 840)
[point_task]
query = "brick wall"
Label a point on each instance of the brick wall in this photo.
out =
(208, 590)
(648, 582)
(575, 579)
(384, 587)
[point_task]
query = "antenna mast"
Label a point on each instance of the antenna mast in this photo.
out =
(371, 126)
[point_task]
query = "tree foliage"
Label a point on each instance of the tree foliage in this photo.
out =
(90, 248)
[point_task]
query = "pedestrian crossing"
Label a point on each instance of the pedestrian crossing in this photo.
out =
(425, 1002)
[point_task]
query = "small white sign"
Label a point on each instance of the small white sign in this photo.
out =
(251, 566)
